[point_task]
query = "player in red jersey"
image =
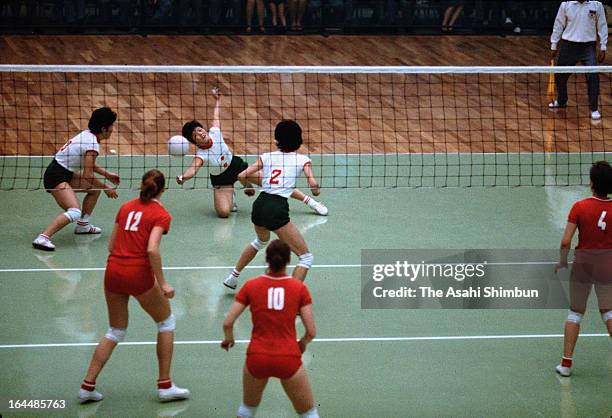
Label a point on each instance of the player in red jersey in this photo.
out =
(275, 300)
(134, 268)
(593, 261)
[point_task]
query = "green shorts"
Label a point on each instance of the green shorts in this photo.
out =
(270, 211)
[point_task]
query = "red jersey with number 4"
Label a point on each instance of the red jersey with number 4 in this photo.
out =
(594, 219)
(274, 304)
(136, 220)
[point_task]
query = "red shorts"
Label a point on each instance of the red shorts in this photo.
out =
(263, 366)
(585, 276)
(128, 279)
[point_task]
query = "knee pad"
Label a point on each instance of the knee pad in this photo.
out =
(311, 413)
(258, 244)
(574, 317)
(167, 325)
(73, 214)
(115, 334)
(246, 411)
(306, 260)
(606, 316)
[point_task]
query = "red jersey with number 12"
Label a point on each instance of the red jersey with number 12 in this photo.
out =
(594, 219)
(274, 306)
(136, 220)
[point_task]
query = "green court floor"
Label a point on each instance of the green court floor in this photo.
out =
(49, 299)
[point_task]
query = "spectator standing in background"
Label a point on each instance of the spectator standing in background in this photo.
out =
(250, 5)
(451, 14)
(296, 12)
(578, 23)
(277, 9)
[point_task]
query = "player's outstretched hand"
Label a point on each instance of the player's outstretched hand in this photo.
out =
(560, 266)
(302, 346)
(553, 54)
(179, 180)
(216, 93)
(167, 290)
(227, 344)
(111, 193)
(316, 190)
(249, 191)
(601, 56)
(114, 178)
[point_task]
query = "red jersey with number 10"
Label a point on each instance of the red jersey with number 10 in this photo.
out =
(274, 306)
(136, 220)
(594, 219)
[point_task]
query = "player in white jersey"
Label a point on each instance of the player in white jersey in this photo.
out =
(270, 210)
(224, 167)
(71, 171)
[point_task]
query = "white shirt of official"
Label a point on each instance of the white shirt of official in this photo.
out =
(71, 155)
(281, 170)
(218, 156)
(580, 22)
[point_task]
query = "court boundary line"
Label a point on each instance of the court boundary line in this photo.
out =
(317, 340)
(42, 270)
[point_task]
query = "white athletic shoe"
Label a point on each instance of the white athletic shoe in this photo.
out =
(87, 229)
(555, 105)
(89, 396)
(564, 371)
(595, 115)
(173, 393)
(231, 281)
(43, 243)
(318, 207)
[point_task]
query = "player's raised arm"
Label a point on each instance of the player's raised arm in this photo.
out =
(216, 122)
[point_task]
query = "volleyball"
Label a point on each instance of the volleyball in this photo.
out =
(178, 146)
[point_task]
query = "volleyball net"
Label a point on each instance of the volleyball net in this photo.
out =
(362, 126)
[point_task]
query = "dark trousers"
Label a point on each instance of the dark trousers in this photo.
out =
(570, 54)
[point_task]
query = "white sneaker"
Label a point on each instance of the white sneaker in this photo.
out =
(595, 115)
(517, 30)
(43, 243)
(87, 229)
(89, 396)
(564, 371)
(555, 105)
(318, 207)
(173, 393)
(231, 281)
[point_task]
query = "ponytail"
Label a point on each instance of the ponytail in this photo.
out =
(153, 183)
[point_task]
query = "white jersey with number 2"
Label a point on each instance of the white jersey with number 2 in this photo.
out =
(70, 156)
(281, 170)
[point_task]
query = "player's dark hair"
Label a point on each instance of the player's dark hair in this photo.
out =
(188, 129)
(288, 135)
(153, 182)
(278, 255)
(601, 178)
(100, 118)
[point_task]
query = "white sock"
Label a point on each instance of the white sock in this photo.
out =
(306, 199)
(84, 221)
(235, 273)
